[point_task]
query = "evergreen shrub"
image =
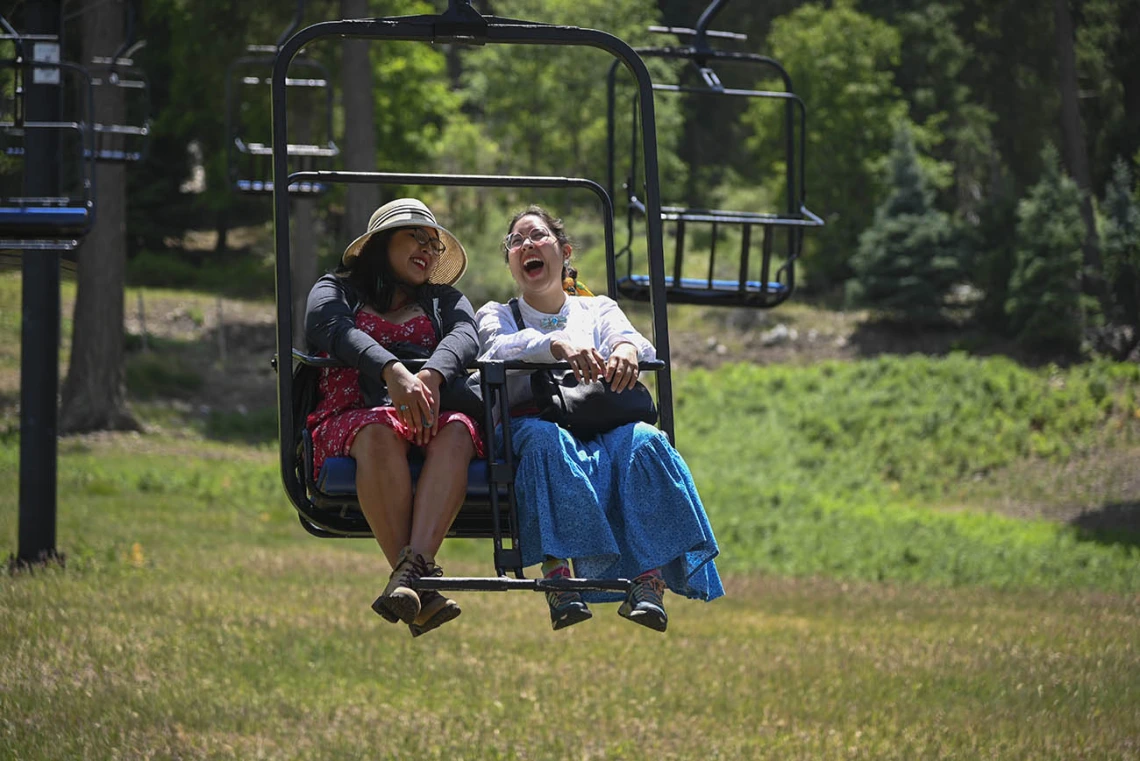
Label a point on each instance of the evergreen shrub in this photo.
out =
(910, 256)
(1044, 306)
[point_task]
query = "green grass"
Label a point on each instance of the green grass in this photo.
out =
(833, 469)
(195, 619)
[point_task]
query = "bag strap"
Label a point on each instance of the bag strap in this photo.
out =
(514, 304)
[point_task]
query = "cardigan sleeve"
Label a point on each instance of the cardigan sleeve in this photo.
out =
(330, 325)
(459, 341)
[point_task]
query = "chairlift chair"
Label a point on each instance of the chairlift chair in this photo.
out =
(249, 152)
(126, 140)
(30, 221)
(327, 505)
(742, 288)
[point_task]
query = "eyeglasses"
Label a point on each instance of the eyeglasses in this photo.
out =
(535, 236)
(435, 245)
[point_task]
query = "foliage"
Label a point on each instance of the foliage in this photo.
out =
(908, 259)
(841, 62)
(244, 275)
(993, 253)
(150, 376)
(1044, 292)
(1120, 242)
(1107, 58)
(545, 106)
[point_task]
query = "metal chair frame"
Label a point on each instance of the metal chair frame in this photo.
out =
(249, 163)
(773, 288)
(55, 223)
(461, 23)
(129, 141)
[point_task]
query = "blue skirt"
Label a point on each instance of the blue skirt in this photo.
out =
(618, 505)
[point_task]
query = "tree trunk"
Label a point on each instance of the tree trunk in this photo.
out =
(1075, 152)
(359, 129)
(94, 393)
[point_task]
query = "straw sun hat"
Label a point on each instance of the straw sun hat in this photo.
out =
(410, 212)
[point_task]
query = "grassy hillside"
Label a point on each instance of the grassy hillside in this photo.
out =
(834, 468)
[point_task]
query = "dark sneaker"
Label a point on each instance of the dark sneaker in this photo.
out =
(435, 611)
(644, 604)
(399, 602)
(566, 609)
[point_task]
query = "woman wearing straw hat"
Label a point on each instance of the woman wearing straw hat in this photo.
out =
(392, 295)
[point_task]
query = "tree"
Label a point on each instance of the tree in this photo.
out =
(1044, 305)
(94, 393)
(908, 259)
(546, 105)
(1076, 154)
(1122, 252)
(359, 120)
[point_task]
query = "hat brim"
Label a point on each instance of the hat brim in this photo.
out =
(450, 267)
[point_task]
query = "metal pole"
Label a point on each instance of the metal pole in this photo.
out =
(39, 364)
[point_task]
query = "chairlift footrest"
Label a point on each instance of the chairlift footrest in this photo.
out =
(505, 584)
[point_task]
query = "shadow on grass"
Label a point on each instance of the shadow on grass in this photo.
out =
(1116, 523)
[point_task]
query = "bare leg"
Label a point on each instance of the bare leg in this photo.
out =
(384, 487)
(441, 487)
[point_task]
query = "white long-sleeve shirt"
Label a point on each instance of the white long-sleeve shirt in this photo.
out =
(583, 321)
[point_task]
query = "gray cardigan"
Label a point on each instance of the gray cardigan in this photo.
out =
(330, 326)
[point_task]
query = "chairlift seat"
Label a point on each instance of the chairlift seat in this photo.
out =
(295, 188)
(44, 221)
(113, 156)
(293, 149)
(751, 293)
(333, 491)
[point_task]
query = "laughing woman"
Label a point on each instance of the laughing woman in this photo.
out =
(393, 293)
(621, 505)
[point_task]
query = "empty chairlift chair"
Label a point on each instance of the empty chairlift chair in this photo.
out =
(249, 151)
(47, 194)
(748, 280)
(327, 503)
(121, 93)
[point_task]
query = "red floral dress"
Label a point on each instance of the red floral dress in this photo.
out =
(341, 412)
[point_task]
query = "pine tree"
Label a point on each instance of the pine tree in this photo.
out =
(1044, 292)
(909, 258)
(1122, 246)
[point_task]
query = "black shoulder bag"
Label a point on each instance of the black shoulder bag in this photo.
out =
(586, 409)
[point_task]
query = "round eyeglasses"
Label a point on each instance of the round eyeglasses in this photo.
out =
(536, 235)
(435, 245)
